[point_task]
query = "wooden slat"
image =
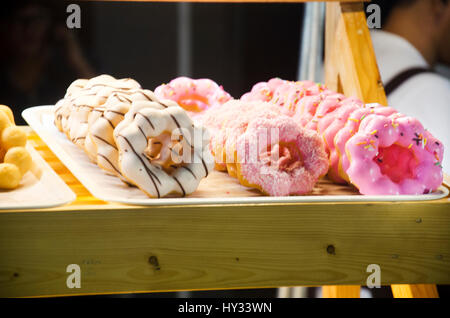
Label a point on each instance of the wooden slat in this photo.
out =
(341, 291)
(415, 291)
(219, 247)
(349, 54)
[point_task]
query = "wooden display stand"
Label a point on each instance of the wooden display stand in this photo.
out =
(129, 249)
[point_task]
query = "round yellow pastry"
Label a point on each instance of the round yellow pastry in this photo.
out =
(9, 176)
(13, 136)
(5, 109)
(20, 157)
(4, 121)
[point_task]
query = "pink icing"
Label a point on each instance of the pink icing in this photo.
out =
(388, 156)
(194, 95)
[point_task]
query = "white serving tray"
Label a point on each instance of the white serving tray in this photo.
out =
(110, 188)
(39, 188)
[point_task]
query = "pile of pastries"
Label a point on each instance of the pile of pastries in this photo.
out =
(130, 133)
(370, 146)
(15, 160)
(281, 137)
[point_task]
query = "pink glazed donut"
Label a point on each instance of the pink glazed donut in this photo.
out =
(283, 163)
(388, 156)
(329, 103)
(194, 95)
(260, 92)
(350, 128)
(328, 128)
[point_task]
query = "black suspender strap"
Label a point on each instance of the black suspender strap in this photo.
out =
(402, 77)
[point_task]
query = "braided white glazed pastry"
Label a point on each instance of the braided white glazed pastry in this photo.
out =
(63, 106)
(128, 132)
(159, 151)
(102, 121)
(81, 98)
(105, 120)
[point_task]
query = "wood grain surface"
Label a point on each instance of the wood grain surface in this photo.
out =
(123, 248)
(190, 248)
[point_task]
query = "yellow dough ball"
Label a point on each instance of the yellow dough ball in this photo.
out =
(5, 109)
(13, 136)
(4, 121)
(20, 157)
(9, 176)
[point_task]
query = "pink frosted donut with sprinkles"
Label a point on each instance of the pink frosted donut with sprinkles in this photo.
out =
(393, 155)
(284, 163)
(329, 103)
(328, 127)
(350, 128)
(260, 92)
(194, 95)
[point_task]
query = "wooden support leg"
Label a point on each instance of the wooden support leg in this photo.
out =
(341, 291)
(415, 291)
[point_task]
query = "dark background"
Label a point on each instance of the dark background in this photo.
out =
(236, 45)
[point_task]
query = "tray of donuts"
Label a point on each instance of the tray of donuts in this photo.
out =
(191, 142)
(26, 180)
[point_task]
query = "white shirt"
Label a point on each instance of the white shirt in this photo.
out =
(425, 96)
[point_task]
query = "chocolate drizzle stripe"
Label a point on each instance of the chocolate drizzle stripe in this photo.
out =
(179, 127)
(84, 105)
(206, 168)
(147, 119)
(143, 134)
(105, 141)
(188, 169)
(146, 96)
(110, 163)
(175, 121)
(115, 112)
(123, 98)
(181, 187)
(149, 173)
(109, 122)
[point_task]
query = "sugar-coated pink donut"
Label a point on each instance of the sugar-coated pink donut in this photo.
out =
(388, 155)
(194, 95)
(283, 163)
(228, 122)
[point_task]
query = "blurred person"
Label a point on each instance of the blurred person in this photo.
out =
(414, 38)
(40, 55)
